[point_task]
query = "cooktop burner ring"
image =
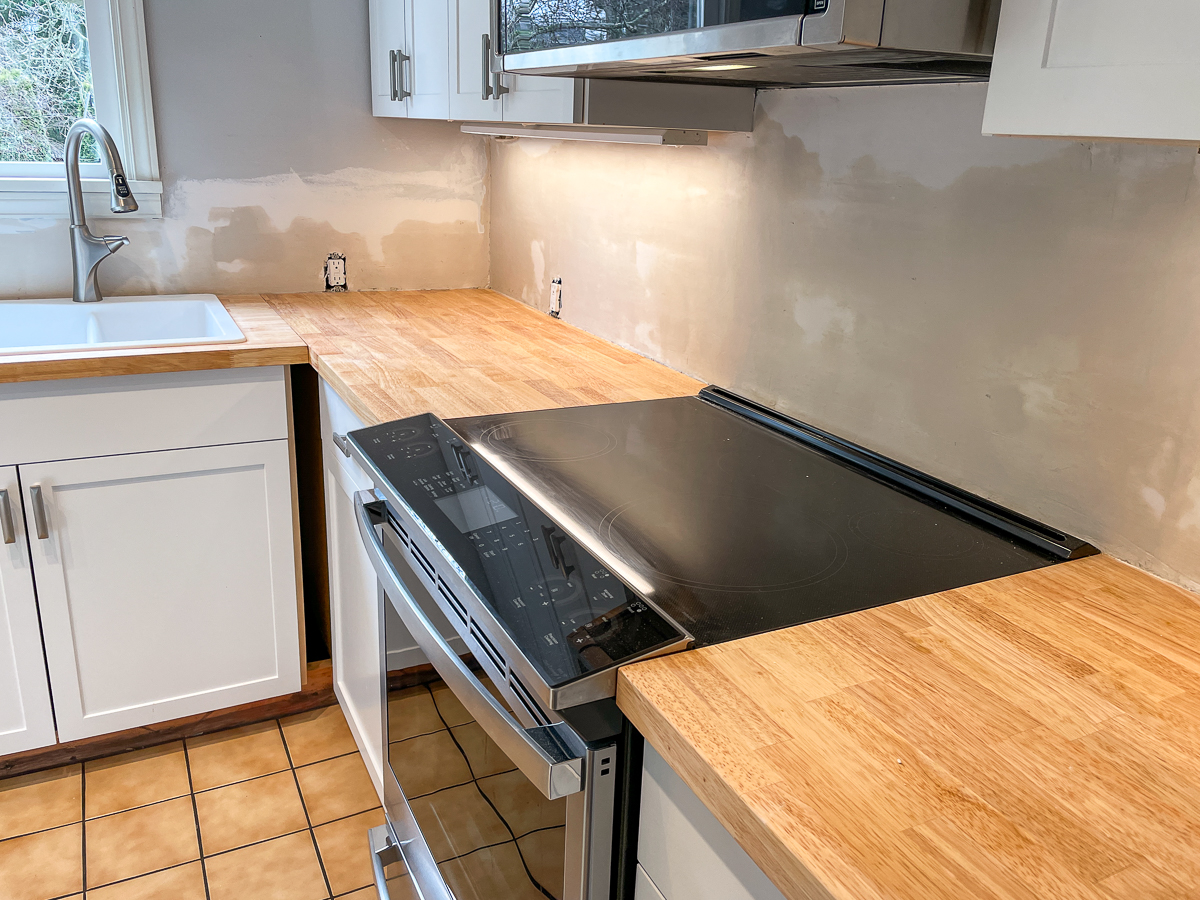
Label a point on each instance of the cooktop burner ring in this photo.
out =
(581, 441)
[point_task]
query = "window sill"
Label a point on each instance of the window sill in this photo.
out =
(41, 198)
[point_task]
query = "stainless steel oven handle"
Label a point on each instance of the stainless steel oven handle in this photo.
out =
(544, 754)
(413, 851)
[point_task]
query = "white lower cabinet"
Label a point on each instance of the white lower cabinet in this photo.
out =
(166, 582)
(26, 720)
(684, 852)
(152, 520)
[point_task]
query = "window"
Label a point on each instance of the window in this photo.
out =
(61, 60)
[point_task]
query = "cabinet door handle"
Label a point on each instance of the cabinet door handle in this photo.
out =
(487, 67)
(39, 512)
(6, 519)
(396, 61)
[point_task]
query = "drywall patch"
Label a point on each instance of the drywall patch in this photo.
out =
(1156, 501)
(820, 318)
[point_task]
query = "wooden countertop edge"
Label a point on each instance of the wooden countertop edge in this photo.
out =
(789, 873)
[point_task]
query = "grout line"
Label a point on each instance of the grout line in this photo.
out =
(83, 828)
(40, 831)
(142, 875)
(304, 805)
(317, 762)
(187, 761)
(256, 843)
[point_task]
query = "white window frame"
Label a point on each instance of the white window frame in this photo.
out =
(121, 80)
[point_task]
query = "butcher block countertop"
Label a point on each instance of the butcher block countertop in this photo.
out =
(463, 353)
(269, 342)
(1032, 737)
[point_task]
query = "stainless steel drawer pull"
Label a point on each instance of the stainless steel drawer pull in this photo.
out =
(547, 754)
(39, 512)
(343, 443)
(6, 519)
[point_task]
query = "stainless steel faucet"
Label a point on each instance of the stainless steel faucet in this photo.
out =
(88, 250)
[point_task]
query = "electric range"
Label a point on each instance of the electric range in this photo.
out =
(561, 544)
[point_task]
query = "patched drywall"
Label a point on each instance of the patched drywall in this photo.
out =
(271, 160)
(1017, 316)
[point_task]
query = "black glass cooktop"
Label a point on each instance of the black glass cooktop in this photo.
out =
(576, 525)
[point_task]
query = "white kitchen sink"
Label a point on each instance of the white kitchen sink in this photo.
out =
(53, 326)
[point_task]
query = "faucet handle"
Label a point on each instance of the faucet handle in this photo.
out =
(115, 242)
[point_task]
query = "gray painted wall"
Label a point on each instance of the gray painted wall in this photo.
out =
(1019, 317)
(271, 160)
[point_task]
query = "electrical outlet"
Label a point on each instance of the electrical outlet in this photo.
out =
(335, 272)
(556, 297)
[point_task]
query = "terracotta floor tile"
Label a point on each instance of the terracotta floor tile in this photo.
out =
(484, 756)
(249, 811)
(344, 851)
(317, 735)
(493, 873)
(412, 712)
(545, 853)
(428, 763)
(336, 788)
(458, 820)
(283, 869)
(135, 779)
(236, 755)
(181, 883)
(40, 801)
(399, 888)
(449, 706)
(141, 840)
(522, 805)
(41, 866)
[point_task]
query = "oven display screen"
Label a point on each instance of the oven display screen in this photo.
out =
(475, 508)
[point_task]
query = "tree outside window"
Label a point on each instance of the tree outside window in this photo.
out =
(45, 79)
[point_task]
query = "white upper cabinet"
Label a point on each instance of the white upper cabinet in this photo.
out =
(539, 100)
(1097, 69)
(26, 721)
(409, 59)
(472, 95)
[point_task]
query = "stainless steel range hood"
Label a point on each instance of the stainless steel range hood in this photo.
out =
(839, 42)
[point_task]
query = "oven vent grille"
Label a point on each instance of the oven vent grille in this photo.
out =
(527, 700)
(489, 649)
(399, 529)
(425, 563)
(455, 603)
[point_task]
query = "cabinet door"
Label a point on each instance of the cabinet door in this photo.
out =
(166, 582)
(470, 25)
(1096, 68)
(389, 44)
(541, 99)
(427, 72)
(26, 720)
(355, 607)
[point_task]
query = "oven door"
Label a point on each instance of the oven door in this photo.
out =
(478, 805)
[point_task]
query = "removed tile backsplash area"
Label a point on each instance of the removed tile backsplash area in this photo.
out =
(1017, 316)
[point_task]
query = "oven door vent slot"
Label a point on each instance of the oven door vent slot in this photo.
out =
(399, 529)
(527, 700)
(425, 563)
(455, 604)
(489, 649)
